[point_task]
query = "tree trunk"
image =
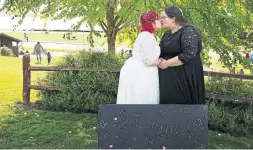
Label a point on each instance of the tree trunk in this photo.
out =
(111, 40)
(113, 25)
(111, 31)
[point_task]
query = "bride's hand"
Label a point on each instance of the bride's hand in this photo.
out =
(157, 62)
(163, 64)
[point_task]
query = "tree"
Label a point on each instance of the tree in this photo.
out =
(247, 38)
(220, 22)
(111, 15)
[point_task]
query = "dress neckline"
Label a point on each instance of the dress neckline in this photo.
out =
(169, 34)
(186, 25)
(177, 30)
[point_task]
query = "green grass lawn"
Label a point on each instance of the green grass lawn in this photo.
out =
(11, 80)
(217, 66)
(21, 128)
(56, 130)
(48, 130)
(55, 37)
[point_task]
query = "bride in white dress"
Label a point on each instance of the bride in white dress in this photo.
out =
(139, 83)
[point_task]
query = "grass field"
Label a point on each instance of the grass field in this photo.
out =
(217, 66)
(44, 129)
(48, 130)
(55, 37)
(51, 130)
(11, 81)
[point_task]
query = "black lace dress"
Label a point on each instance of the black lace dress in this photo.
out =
(182, 84)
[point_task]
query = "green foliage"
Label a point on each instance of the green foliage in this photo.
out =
(83, 91)
(5, 51)
(228, 118)
(231, 87)
(247, 38)
(235, 119)
(220, 22)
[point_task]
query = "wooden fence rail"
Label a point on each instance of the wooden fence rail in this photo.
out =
(27, 80)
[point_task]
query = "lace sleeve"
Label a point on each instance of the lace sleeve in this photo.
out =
(148, 48)
(190, 44)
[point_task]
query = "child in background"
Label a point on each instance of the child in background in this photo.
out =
(49, 57)
(241, 71)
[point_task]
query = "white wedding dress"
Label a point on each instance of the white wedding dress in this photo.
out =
(139, 82)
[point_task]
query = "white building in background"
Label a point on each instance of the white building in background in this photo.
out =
(29, 23)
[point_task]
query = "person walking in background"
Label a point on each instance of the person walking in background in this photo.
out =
(25, 37)
(122, 53)
(49, 57)
(130, 53)
(37, 51)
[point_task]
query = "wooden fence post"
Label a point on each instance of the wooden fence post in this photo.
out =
(26, 79)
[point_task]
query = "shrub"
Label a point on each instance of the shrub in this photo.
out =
(235, 120)
(5, 51)
(229, 86)
(83, 91)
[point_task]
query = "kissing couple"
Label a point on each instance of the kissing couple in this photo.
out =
(168, 72)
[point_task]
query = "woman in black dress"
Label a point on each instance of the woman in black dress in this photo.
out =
(181, 72)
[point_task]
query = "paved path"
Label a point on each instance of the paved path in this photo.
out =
(54, 54)
(58, 45)
(80, 46)
(68, 46)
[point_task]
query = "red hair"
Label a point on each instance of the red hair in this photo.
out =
(146, 20)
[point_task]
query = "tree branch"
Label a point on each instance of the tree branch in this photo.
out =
(120, 28)
(114, 2)
(103, 25)
(119, 24)
(130, 6)
(116, 19)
